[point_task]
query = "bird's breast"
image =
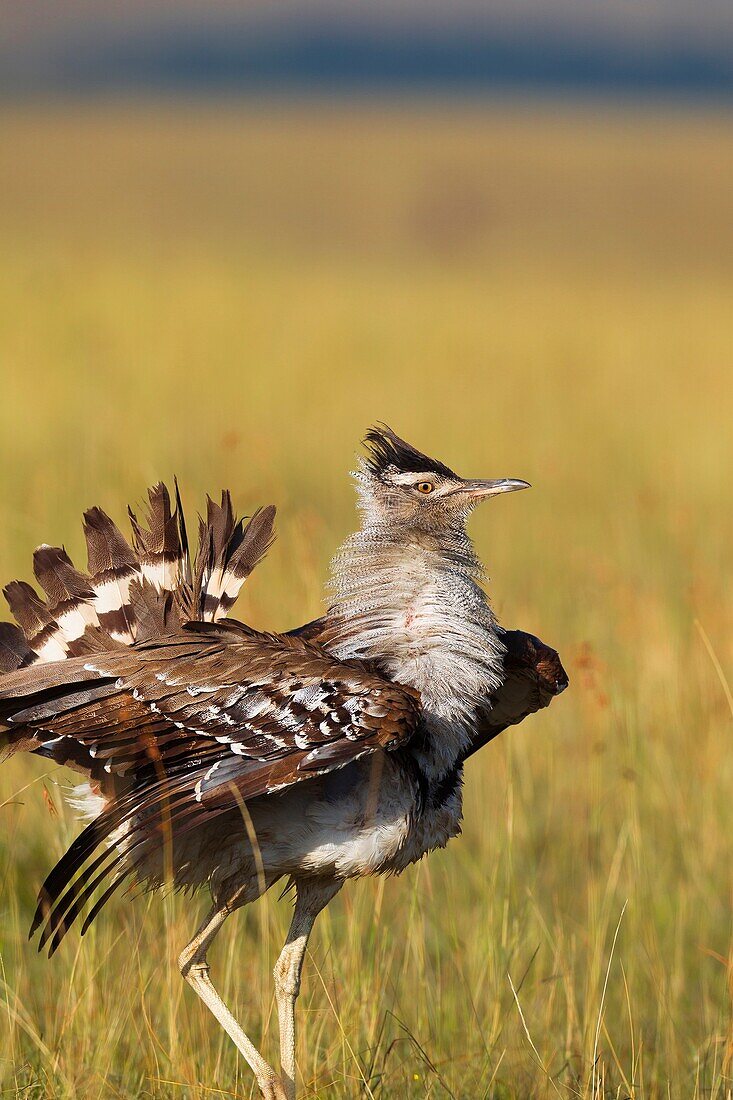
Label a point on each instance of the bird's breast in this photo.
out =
(438, 821)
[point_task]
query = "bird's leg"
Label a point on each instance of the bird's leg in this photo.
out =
(195, 969)
(311, 897)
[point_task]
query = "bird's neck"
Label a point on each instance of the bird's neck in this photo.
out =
(414, 603)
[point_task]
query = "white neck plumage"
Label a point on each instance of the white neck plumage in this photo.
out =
(413, 601)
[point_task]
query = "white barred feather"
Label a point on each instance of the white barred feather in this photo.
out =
(138, 590)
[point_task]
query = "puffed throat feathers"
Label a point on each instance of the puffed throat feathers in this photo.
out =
(412, 599)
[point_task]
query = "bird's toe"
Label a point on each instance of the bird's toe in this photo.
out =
(273, 1089)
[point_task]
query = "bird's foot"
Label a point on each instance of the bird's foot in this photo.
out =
(274, 1089)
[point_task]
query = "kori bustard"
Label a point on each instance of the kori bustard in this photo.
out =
(221, 756)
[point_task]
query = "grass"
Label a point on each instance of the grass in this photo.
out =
(233, 294)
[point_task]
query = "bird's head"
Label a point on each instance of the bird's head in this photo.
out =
(401, 487)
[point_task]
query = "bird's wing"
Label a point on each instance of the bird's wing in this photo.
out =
(133, 592)
(183, 728)
(533, 677)
(238, 712)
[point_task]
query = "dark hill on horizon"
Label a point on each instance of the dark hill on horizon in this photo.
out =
(326, 59)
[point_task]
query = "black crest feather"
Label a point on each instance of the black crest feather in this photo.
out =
(387, 449)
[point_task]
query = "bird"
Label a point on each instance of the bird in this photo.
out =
(219, 756)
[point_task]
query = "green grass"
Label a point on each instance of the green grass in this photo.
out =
(233, 295)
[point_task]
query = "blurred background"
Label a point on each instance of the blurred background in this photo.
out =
(235, 235)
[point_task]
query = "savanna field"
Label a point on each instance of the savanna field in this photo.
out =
(233, 293)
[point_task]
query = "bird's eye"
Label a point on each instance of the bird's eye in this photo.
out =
(425, 486)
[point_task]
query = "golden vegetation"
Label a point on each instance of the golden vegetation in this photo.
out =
(233, 294)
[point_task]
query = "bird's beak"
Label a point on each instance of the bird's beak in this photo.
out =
(478, 489)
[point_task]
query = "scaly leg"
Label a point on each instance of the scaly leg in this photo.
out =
(195, 969)
(312, 896)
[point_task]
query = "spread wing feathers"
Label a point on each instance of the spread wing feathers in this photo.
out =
(196, 723)
(228, 552)
(14, 648)
(533, 677)
(161, 544)
(133, 592)
(113, 566)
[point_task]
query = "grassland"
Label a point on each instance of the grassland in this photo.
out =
(233, 294)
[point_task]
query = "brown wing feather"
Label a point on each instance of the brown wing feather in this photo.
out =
(195, 723)
(271, 708)
(533, 677)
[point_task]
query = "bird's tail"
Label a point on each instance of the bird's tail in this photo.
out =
(132, 591)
